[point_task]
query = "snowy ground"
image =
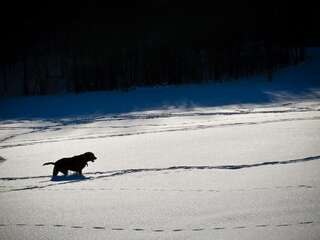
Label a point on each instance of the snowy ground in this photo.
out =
(193, 167)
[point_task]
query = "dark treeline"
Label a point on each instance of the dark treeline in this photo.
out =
(84, 46)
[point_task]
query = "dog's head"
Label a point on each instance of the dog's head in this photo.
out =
(90, 156)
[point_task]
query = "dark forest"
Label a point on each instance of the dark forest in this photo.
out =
(55, 47)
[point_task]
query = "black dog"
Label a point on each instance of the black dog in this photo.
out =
(75, 163)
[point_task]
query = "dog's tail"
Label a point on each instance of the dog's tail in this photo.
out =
(48, 163)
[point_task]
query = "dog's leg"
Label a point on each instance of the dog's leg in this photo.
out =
(55, 171)
(80, 172)
(65, 172)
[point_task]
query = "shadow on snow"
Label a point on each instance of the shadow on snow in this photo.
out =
(69, 178)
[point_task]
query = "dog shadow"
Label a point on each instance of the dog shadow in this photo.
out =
(74, 177)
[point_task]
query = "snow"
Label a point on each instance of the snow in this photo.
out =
(238, 160)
